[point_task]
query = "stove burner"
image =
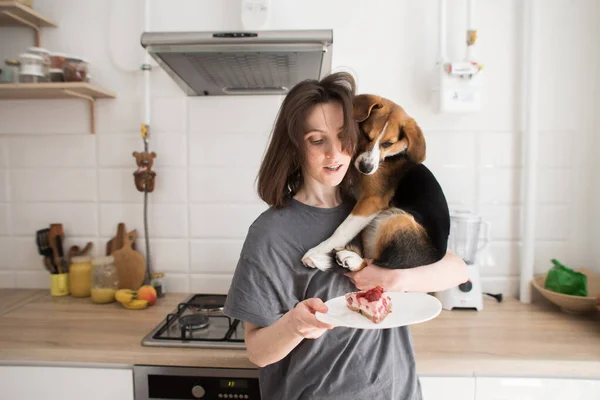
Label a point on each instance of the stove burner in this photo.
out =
(193, 322)
(208, 304)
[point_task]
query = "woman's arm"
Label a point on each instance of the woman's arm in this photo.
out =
(270, 344)
(450, 271)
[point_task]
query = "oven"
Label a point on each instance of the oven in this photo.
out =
(152, 382)
(197, 322)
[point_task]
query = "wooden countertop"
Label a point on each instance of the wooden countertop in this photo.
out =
(506, 338)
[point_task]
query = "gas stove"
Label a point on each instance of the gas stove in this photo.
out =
(198, 322)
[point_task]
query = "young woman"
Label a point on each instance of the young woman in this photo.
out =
(303, 178)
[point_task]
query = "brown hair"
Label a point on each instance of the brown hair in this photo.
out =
(280, 174)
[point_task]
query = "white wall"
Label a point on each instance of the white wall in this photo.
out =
(53, 170)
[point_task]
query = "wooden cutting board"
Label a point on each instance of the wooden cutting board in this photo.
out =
(117, 242)
(130, 264)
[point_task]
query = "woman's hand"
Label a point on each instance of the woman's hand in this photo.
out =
(448, 272)
(372, 275)
(302, 320)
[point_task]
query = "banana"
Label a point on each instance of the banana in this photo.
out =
(136, 304)
(125, 295)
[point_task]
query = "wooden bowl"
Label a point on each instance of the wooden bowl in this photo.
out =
(572, 304)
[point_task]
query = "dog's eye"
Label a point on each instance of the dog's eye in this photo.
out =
(385, 145)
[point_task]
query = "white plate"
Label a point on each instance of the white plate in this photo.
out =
(407, 309)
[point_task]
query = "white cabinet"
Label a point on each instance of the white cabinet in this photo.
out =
(65, 383)
(447, 388)
(536, 389)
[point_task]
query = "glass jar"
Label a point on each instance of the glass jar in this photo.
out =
(32, 68)
(56, 75)
(76, 69)
(10, 72)
(105, 281)
(58, 60)
(158, 282)
(80, 276)
(45, 54)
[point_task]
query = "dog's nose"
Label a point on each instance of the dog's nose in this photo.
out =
(365, 167)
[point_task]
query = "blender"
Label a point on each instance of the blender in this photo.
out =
(464, 240)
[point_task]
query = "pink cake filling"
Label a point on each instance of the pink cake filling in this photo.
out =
(373, 304)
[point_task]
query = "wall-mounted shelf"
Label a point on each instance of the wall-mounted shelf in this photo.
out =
(13, 13)
(67, 90)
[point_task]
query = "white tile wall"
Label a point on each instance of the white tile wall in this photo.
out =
(209, 149)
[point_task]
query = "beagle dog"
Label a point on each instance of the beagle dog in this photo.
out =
(401, 218)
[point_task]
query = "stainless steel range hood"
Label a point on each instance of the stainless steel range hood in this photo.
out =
(241, 63)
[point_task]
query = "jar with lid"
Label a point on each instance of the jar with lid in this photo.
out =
(158, 282)
(76, 69)
(32, 68)
(10, 72)
(80, 276)
(45, 54)
(105, 281)
(58, 60)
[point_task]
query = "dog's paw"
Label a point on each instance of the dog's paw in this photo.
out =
(349, 259)
(319, 261)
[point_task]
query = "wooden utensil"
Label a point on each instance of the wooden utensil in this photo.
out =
(76, 251)
(56, 238)
(131, 266)
(116, 243)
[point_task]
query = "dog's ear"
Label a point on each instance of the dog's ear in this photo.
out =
(363, 104)
(416, 148)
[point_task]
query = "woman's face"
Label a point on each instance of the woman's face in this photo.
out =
(325, 161)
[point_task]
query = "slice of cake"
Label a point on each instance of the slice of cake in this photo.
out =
(373, 304)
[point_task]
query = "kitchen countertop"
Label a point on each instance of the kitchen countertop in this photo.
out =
(509, 338)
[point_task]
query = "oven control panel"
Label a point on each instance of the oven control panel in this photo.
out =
(195, 383)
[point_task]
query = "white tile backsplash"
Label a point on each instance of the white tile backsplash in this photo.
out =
(554, 185)
(214, 256)
(8, 279)
(552, 223)
(504, 220)
(3, 152)
(223, 221)
(451, 149)
(209, 148)
(52, 151)
(499, 149)
(124, 115)
(499, 186)
(177, 283)
(166, 255)
(4, 224)
(4, 185)
(33, 279)
(53, 184)
(44, 117)
(231, 150)
(210, 283)
(223, 184)
(239, 114)
(164, 220)
(116, 150)
(78, 219)
(502, 259)
(118, 185)
(168, 114)
(23, 254)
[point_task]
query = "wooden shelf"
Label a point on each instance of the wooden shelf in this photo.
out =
(13, 13)
(67, 90)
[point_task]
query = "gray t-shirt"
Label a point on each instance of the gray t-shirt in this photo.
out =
(343, 363)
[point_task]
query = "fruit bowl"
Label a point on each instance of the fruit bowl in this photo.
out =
(572, 304)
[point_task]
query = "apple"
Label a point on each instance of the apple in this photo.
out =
(148, 293)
